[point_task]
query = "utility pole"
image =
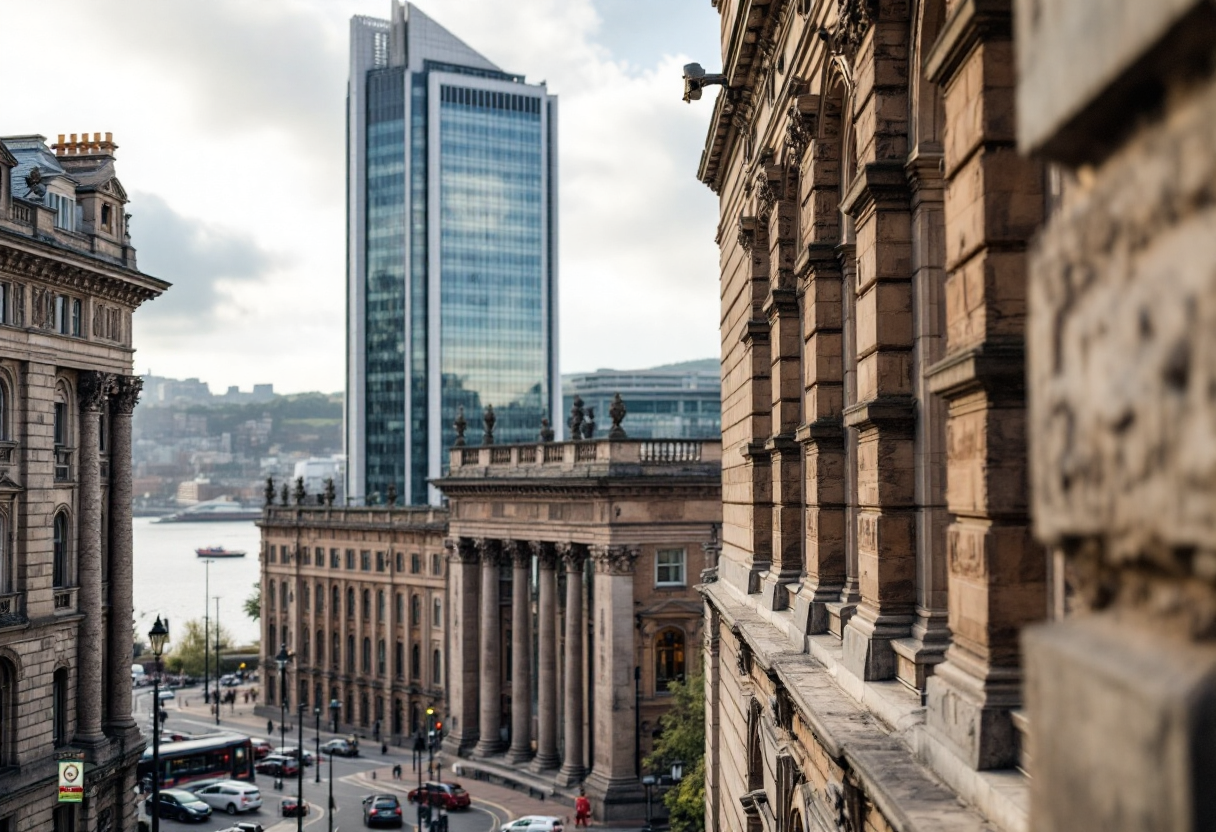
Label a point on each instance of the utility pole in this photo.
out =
(206, 631)
(217, 660)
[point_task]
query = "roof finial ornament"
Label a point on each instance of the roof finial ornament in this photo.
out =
(617, 411)
(589, 424)
(461, 424)
(488, 419)
(546, 431)
(575, 422)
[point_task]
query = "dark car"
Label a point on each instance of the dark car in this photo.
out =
(261, 748)
(381, 810)
(277, 766)
(180, 804)
(293, 807)
(447, 794)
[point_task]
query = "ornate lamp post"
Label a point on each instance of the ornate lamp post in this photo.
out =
(317, 712)
(300, 772)
(158, 636)
(334, 707)
(281, 660)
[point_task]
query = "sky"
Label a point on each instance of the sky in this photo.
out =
(230, 121)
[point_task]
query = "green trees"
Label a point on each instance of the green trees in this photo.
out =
(253, 604)
(187, 649)
(683, 740)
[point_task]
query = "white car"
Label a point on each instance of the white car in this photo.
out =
(231, 796)
(534, 823)
(165, 694)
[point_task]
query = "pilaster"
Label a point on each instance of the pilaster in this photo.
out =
(490, 740)
(464, 666)
(122, 609)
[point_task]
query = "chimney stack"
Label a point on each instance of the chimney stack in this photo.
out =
(84, 145)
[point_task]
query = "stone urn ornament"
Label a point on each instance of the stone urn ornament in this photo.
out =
(488, 419)
(461, 424)
(575, 422)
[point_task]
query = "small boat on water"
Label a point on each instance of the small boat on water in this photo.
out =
(213, 511)
(219, 552)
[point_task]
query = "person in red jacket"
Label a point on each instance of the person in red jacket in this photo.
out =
(582, 809)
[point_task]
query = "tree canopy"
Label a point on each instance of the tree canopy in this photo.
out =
(682, 739)
(187, 650)
(253, 604)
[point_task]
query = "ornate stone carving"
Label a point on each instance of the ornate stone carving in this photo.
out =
(490, 549)
(283, 495)
(462, 550)
(268, 491)
(575, 422)
(461, 424)
(392, 495)
(573, 555)
(330, 492)
(589, 424)
(34, 189)
(853, 19)
(546, 554)
(298, 492)
(615, 560)
(799, 128)
(125, 394)
(92, 388)
(743, 653)
(617, 413)
(519, 552)
(546, 431)
(487, 420)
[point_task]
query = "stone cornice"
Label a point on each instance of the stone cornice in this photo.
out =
(897, 413)
(996, 366)
(883, 185)
(970, 22)
(30, 259)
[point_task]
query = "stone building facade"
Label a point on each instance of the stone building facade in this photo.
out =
(907, 259)
(68, 287)
(357, 596)
(573, 567)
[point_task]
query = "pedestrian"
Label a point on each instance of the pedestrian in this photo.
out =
(270, 727)
(246, 697)
(397, 771)
(383, 748)
(582, 809)
(376, 730)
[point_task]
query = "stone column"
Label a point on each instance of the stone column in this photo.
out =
(91, 390)
(546, 692)
(464, 666)
(521, 652)
(997, 573)
(613, 784)
(490, 742)
(572, 770)
(122, 605)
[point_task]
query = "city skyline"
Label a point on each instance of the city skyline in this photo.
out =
(253, 100)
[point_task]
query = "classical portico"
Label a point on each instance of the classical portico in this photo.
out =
(569, 562)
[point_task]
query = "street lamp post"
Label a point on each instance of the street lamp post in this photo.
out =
(300, 773)
(217, 660)
(207, 632)
(334, 707)
(281, 661)
(317, 711)
(157, 637)
(648, 781)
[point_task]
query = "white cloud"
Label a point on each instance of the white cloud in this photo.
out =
(230, 116)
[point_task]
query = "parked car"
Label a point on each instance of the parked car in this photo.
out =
(229, 680)
(196, 785)
(244, 827)
(446, 794)
(180, 804)
(261, 747)
(294, 753)
(381, 810)
(533, 823)
(277, 765)
(293, 807)
(232, 796)
(166, 694)
(341, 747)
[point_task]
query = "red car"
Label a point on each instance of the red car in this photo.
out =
(293, 807)
(447, 794)
(261, 748)
(277, 766)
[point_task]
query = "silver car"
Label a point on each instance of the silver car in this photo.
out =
(534, 823)
(231, 796)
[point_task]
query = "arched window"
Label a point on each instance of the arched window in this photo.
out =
(415, 610)
(6, 570)
(436, 667)
(350, 708)
(320, 596)
(59, 708)
(668, 658)
(367, 605)
(283, 598)
(381, 658)
(380, 605)
(305, 646)
(367, 655)
(336, 600)
(415, 563)
(437, 613)
(8, 714)
(62, 566)
(350, 602)
(350, 654)
(4, 406)
(305, 597)
(320, 650)
(398, 716)
(436, 564)
(400, 608)
(363, 710)
(415, 662)
(334, 654)
(399, 660)
(270, 598)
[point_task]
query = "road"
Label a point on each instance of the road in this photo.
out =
(351, 782)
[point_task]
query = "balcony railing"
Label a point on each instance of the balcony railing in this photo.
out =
(23, 213)
(12, 608)
(65, 600)
(535, 458)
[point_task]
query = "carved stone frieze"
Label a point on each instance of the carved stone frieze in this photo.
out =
(34, 266)
(615, 560)
(853, 19)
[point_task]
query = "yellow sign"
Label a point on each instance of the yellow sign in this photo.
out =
(71, 781)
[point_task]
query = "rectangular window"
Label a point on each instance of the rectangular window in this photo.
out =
(400, 562)
(61, 423)
(350, 559)
(415, 563)
(306, 556)
(379, 561)
(270, 554)
(320, 556)
(335, 561)
(75, 317)
(61, 314)
(669, 567)
(365, 561)
(4, 316)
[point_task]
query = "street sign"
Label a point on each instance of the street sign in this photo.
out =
(71, 781)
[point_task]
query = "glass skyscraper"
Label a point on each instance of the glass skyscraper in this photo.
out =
(451, 247)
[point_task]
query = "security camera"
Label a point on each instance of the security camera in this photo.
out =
(695, 79)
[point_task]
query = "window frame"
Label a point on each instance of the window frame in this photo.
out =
(659, 567)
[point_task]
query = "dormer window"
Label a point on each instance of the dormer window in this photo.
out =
(106, 217)
(65, 211)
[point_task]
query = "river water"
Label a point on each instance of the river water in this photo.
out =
(171, 580)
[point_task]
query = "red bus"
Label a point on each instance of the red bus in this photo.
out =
(229, 756)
